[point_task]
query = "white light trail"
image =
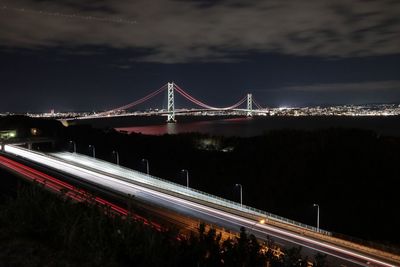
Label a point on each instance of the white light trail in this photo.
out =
(117, 184)
(113, 169)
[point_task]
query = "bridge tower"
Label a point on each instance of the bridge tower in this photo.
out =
(249, 105)
(171, 105)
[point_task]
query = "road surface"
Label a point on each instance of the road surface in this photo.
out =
(211, 212)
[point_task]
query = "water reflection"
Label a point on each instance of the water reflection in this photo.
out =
(224, 127)
(256, 126)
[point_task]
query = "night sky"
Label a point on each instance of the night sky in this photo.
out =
(99, 54)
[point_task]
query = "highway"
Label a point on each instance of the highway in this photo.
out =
(66, 189)
(184, 192)
(200, 206)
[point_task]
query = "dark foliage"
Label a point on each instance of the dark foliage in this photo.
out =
(38, 228)
(351, 173)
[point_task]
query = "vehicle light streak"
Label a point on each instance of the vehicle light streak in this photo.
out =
(119, 184)
(109, 168)
(57, 185)
(38, 177)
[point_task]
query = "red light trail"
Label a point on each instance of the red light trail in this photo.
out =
(68, 190)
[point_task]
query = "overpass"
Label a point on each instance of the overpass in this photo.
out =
(205, 207)
(28, 141)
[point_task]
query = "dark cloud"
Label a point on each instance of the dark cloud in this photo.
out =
(186, 31)
(391, 85)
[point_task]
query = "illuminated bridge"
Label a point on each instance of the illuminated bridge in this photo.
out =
(248, 101)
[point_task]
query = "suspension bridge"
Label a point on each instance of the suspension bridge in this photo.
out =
(247, 101)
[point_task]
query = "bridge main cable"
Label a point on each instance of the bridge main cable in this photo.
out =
(201, 104)
(137, 102)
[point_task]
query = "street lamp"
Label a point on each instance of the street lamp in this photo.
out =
(147, 165)
(93, 150)
(116, 156)
(316, 205)
(241, 193)
(74, 144)
(187, 178)
(262, 221)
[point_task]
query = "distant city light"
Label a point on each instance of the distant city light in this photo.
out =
(343, 110)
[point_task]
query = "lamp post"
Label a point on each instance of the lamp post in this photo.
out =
(187, 178)
(116, 156)
(93, 150)
(147, 165)
(241, 193)
(316, 205)
(74, 145)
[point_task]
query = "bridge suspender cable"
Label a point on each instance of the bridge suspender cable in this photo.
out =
(201, 104)
(257, 105)
(137, 102)
(184, 94)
